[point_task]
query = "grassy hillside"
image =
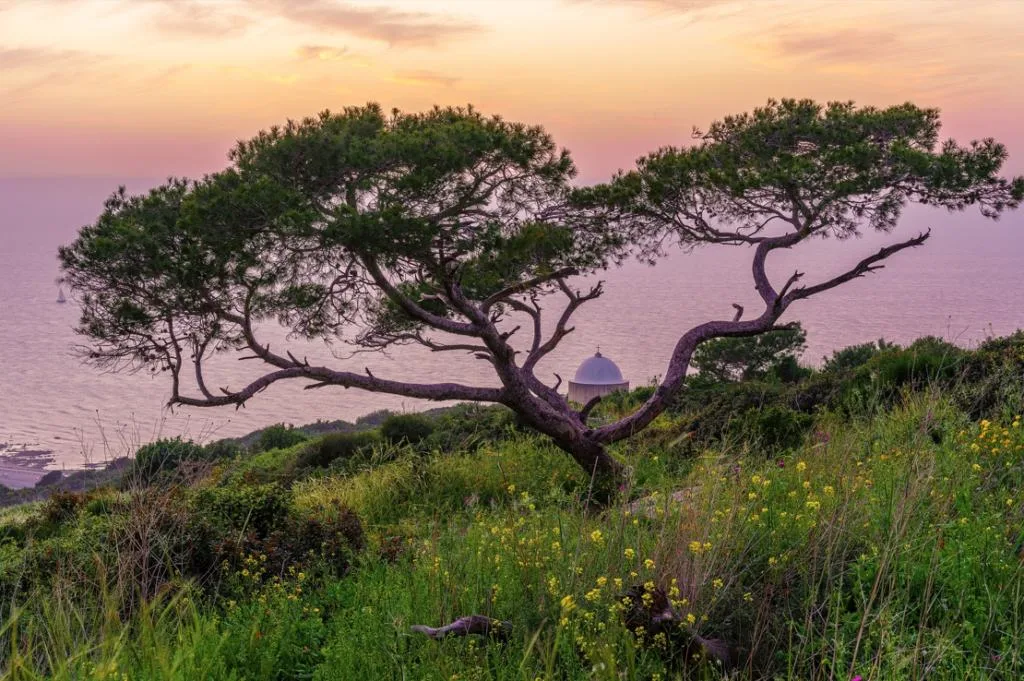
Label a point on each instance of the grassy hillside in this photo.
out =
(866, 520)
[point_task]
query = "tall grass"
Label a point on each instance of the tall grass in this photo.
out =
(885, 547)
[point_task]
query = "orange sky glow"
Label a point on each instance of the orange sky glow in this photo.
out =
(125, 88)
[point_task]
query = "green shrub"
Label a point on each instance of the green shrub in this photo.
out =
(773, 428)
(855, 356)
(223, 449)
(466, 426)
(330, 539)
(407, 428)
(336, 448)
(62, 506)
(278, 436)
(164, 456)
(240, 507)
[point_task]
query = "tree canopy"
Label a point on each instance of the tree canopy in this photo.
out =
(448, 229)
(748, 358)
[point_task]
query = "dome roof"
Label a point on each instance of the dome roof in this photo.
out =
(598, 370)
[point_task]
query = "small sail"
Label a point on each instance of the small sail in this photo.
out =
(60, 296)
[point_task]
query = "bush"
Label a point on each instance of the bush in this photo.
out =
(466, 426)
(336, 448)
(223, 449)
(744, 359)
(407, 428)
(773, 428)
(164, 456)
(278, 436)
(62, 506)
(856, 355)
(240, 507)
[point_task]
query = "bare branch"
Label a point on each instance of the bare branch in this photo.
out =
(523, 286)
(323, 376)
(860, 269)
(411, 308)
(576, 299)
(589, 407)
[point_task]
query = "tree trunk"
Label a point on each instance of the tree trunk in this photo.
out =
(607, 474)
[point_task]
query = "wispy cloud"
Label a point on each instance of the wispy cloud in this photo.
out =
(323, 52)
(189, 18)
(384, 24)
(21, 58)
(841, 46)
(423, 77)
(675, 5)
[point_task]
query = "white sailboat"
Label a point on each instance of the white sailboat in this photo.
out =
(60, 296)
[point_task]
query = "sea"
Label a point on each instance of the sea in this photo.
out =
(965, 284)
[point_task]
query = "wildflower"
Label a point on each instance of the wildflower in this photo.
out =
(829, 489)
(813, 505)
(629, 554)
(596, 536)
(748, 597)
(601, 581)
(649, 586)
(801, 466)
(649, 564)
(690, 618)
(568, 603)
(695, 547)
(975, 467)
(717, 583)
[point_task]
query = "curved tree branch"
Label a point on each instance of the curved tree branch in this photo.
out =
(775, 304)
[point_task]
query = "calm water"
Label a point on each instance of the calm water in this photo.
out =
(965, 284)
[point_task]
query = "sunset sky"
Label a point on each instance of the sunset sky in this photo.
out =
(125, 88)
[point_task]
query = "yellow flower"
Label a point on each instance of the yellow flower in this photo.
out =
(717, 583)
(568, 603)
(801, 466)
(748, 597)
(695, 547)
(601, 581)
(596, 536)
(975, 467)
(649, 564)
(630, 554)
(829, 489)
(690, 618)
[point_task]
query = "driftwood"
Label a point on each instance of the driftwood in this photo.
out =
(464, 626)
(658, 616)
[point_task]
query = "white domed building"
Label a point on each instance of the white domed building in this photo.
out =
(596, 377)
